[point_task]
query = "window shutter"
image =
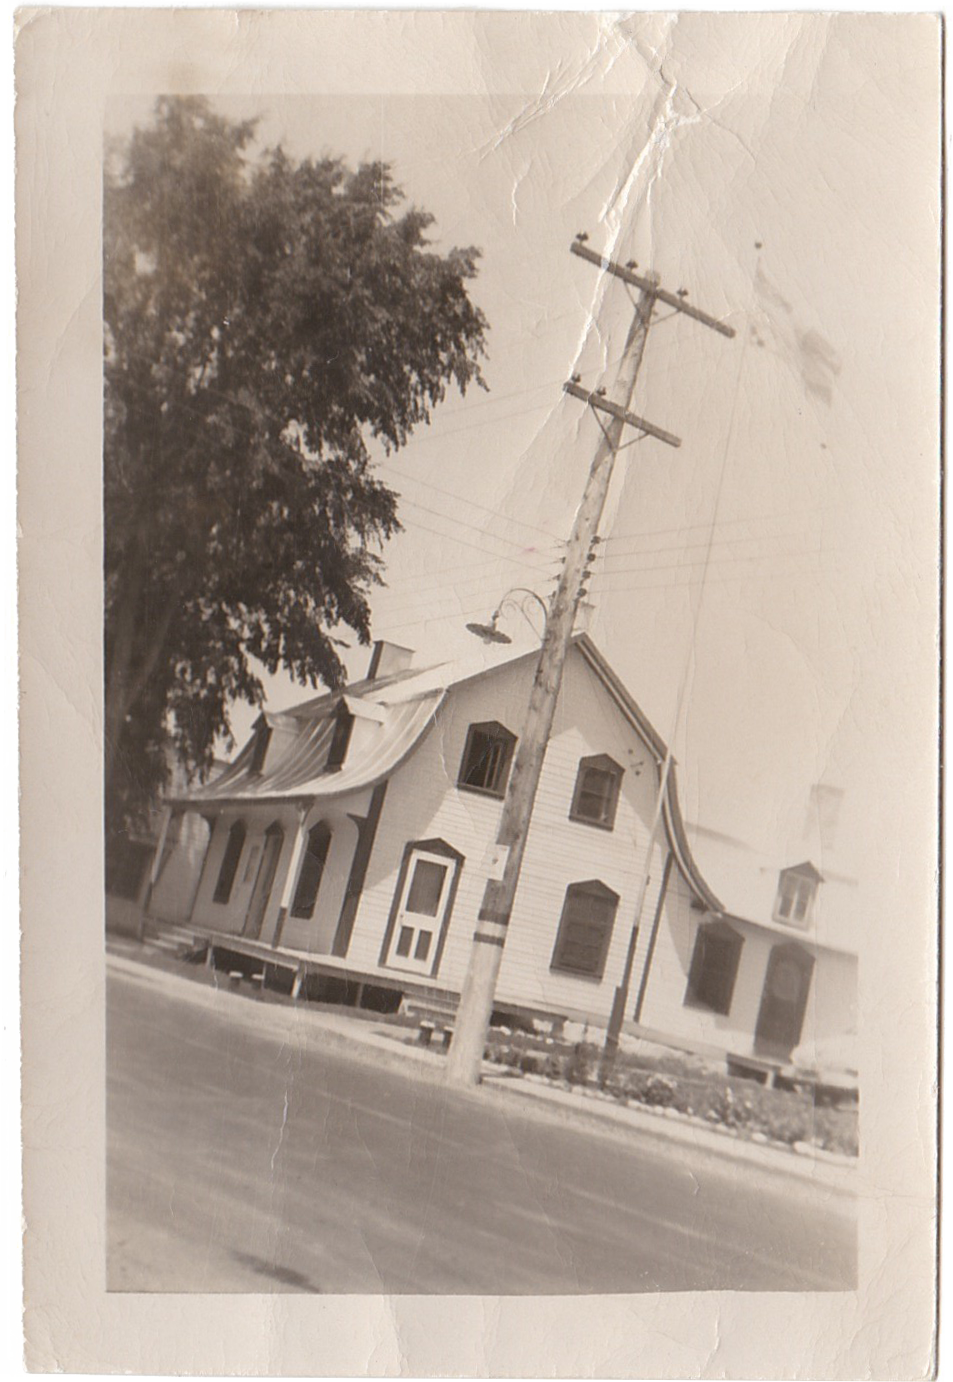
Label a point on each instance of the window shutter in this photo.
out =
(312, 870)
(233, 852)
(585, 929)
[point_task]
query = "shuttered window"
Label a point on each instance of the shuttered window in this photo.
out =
(233, 852)
(312, 869)
(597, 792)
(340, 739)
(485, 765)
(714, 968)
(585, 929)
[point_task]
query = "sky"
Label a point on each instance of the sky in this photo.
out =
(767, 591)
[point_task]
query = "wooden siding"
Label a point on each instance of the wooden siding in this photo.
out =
(424, 802)
(831, 1007)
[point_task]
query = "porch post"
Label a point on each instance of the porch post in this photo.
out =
(291, 877)
(210, 822)
(156, 864)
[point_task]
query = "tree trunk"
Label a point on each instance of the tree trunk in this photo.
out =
(121, 640)
(130, 667)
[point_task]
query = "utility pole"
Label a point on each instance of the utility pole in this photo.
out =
(476, 1001)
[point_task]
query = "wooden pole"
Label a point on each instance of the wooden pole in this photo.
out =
(476, 1001)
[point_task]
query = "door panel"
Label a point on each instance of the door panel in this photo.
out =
(783, 1001)
(420, 911)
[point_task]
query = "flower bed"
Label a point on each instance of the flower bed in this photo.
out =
(715, 1099)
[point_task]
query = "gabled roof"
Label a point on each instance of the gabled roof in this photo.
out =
(295, 765)
(748, 879)
(400, 708)
(397, 710)
(805, 870)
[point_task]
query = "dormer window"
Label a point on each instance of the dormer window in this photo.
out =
(260, 747)
(597, 792)
(797, 888)
(340, 739)
(487, 755)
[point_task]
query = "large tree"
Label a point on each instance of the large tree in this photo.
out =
(264, 318)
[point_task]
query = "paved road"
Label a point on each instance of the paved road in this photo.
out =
(241, 1161)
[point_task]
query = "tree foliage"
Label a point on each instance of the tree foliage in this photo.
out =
(263, 319)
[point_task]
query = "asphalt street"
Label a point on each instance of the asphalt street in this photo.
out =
(242, 1160)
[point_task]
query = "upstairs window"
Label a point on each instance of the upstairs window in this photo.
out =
(312, 869)
(487, 756)
(714, 969)
(585, 929)
(229, 868)
(597, 792)
(260, 747)
(797, 889)
(340, 739)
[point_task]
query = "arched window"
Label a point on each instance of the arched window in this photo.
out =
(585, 929)
(787, 983)
(715, 959)
(312, 867)
(233, 852)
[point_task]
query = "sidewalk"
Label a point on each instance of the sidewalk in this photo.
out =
(372, 1038)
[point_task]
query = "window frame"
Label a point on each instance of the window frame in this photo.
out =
(600, 762)
(491, 729)
(802, 885)
(228, 867)
(298, 910)
(343, 726)
(717, 930)
(593, 887)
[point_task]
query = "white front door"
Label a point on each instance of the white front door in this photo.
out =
(420, 911)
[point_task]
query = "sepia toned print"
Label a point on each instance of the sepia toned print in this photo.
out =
(515, 671)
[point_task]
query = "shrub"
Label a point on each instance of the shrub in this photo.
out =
(579, 1065)
(727, 1108)
(553, 1068)
(660, 1091)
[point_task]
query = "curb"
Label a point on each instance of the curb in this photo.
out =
(361, 1040)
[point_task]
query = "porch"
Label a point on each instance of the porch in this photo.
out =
(318, 978)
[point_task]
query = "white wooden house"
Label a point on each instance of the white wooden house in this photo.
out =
(350, 841)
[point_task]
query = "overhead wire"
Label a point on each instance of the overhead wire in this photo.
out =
(449, 494)
(721, 523)
(462, 542)
(463, 523)
(713, 561)
(752, 578)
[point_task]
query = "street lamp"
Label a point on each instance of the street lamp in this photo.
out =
(490, 633)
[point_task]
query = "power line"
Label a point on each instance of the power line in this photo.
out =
(434, 618)
(480, 570)
(462, 542)
(412, 598)
(805, 573)
(719, 523)
(484, 532)
(497, 513)
(714, 561)
(680, 547)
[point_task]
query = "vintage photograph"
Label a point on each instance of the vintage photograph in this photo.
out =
(519, 577)
(386, 815)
